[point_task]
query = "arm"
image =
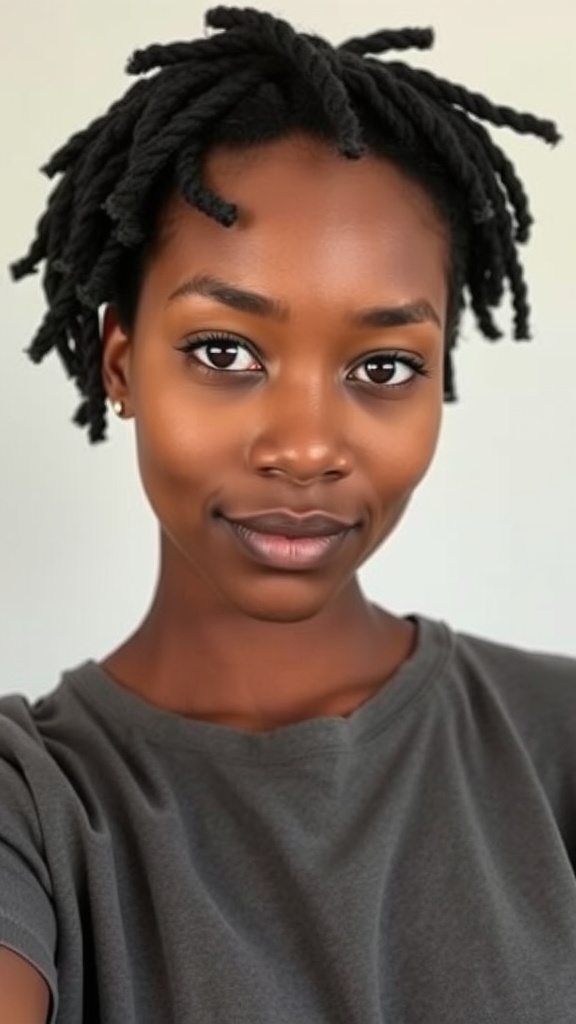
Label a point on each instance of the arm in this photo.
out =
(28, 928)
(24, 994)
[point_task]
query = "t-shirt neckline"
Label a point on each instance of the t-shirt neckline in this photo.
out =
(132, 715)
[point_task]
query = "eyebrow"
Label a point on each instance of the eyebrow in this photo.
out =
(230, 295)
(419, 312)
(208, 286)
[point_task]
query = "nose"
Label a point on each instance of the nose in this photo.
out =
(301, 432)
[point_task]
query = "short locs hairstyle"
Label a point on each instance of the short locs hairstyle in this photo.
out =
(258, 79)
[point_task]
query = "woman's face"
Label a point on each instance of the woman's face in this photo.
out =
(305, 317)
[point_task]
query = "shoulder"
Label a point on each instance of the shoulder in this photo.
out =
(21, 741)
(24, 762)
(528, 673)
(534, 689)
(34, 782)
(42, 727)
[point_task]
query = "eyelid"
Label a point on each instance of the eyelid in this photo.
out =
(411, 359)
(399, 354)
(200, 338)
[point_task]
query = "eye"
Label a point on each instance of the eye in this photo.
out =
(392, 369)
(221, 351)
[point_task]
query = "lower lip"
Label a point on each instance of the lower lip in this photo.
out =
(288, 552)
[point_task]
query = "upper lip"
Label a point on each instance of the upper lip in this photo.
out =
(291, 524)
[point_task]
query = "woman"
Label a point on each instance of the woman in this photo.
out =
(277, 801)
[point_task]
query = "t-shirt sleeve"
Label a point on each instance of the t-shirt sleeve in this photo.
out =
(27, 916)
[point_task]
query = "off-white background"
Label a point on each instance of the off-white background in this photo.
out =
(488, 543)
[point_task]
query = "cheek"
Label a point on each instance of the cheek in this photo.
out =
(178, 442)
(178, 454)
(400, 464)
(404, 449)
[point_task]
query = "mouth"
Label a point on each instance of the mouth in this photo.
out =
(285, 523)
(281, 551)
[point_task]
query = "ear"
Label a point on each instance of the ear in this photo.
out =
(116, 359)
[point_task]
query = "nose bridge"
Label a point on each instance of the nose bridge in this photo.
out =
(302, 425)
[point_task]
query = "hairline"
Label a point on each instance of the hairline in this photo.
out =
(165, 212)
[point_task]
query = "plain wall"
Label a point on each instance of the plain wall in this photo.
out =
(488, 542)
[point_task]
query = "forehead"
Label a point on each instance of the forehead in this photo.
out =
(309, 219)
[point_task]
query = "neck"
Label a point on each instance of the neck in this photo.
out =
(217, 665)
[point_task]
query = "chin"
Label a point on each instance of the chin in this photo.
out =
(290, 616)
(282, 602)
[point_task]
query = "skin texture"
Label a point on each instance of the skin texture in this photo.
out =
(25, 993)
(225, 639)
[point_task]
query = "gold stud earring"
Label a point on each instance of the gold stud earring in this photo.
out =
(118, 407)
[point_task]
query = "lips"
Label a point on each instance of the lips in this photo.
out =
(285, 524)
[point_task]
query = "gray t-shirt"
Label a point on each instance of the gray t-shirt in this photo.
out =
(413, 863)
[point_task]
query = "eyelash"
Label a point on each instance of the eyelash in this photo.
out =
(406, 359)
